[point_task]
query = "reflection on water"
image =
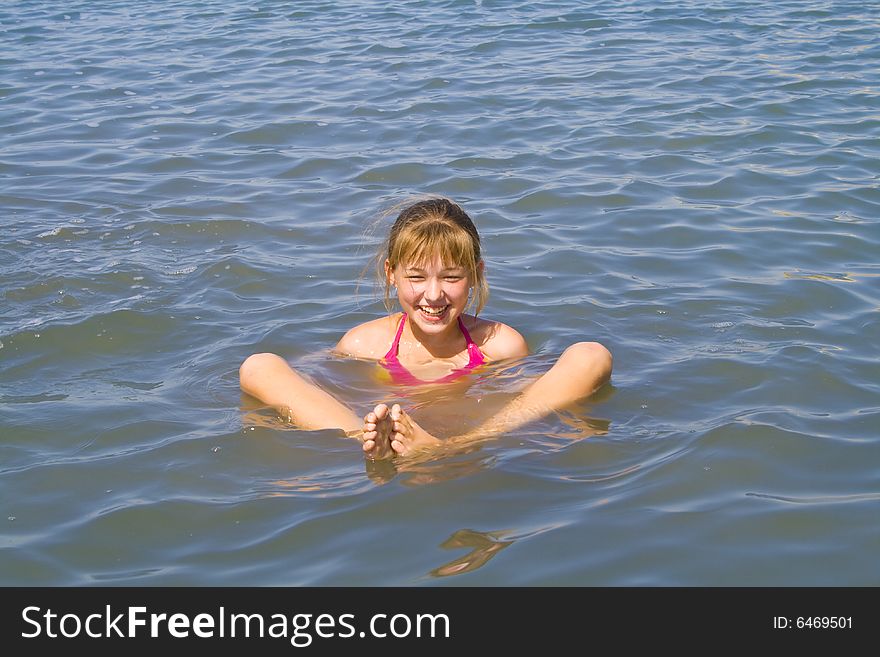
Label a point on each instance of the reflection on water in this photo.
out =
(427, 469)
(483, 546)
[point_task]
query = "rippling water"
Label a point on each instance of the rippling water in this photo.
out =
(693, 184)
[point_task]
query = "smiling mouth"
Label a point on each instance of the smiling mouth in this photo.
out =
(433, 311)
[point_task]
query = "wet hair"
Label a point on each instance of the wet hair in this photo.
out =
(430, 228)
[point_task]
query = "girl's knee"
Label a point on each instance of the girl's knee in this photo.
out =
(590, 355)
(257, 364)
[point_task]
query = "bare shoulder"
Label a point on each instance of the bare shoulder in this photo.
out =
(497, 340)
(368, 340)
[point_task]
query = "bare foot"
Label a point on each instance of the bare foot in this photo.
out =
(408, 437)
(377, 433)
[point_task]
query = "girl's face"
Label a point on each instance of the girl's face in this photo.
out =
(433, 295)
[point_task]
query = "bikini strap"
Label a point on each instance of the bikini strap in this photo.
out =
(392, 352)
(475, 356)
(464, 332)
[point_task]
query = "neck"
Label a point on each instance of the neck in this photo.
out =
(440, 345)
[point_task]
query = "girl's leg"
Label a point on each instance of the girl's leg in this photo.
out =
(271, 380)
(581, 370)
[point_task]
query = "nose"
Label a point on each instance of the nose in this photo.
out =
(433, 290)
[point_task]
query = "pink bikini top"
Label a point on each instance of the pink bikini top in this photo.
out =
(399, 374)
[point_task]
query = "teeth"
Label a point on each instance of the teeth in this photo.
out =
(433, 311)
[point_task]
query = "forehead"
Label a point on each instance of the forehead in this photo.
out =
(423, 256)
(428, 265)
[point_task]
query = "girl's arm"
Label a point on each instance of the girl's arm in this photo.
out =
(504, 343)
(368, 340)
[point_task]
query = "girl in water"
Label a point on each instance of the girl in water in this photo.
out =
(432, 263)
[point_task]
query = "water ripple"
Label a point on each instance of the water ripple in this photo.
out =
(694, 185)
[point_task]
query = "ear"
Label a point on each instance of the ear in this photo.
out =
(480, 267)
(389, 273)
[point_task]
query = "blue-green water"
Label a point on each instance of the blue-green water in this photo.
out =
(694, 184)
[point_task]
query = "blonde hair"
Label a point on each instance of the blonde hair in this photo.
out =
(430, 228)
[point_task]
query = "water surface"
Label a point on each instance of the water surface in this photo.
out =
(693, 184)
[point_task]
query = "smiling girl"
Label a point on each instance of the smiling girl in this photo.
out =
(433, 265)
